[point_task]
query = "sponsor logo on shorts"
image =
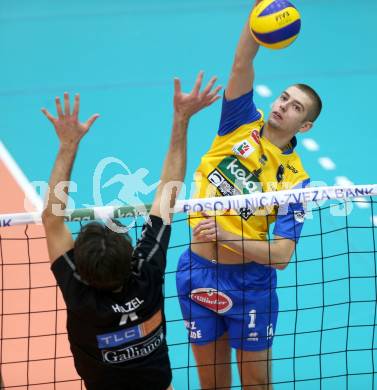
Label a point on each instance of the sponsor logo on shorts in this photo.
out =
(212, 299)
(134, 351)
(270, 332)
(195, 333)
(253, 336)
(243, 149)
(255, 136)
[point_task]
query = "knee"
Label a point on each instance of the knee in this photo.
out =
(256, 381)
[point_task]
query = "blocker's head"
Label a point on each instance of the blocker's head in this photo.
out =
(103, 256)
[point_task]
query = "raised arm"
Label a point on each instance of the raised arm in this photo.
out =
(242, 74)
(174, 168)
(69, 131)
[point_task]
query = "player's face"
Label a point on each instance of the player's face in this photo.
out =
(290, 110)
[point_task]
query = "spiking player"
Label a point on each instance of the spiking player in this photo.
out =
(113, 292)
(227, 288)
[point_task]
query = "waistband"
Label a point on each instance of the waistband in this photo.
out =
(214, 264)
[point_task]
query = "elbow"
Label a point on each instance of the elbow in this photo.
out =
(47, 217)
(283, 259)
(282, 265)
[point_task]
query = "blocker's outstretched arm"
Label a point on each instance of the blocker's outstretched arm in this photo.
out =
(174, 169)
(70, 132)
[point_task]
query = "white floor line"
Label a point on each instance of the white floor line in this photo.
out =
(20, 178)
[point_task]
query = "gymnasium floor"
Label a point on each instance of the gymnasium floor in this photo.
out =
(122, 56)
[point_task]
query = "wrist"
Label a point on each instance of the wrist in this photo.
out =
(181, 116)
(69, 146)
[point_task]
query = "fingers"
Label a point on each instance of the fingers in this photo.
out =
(207, 223)
(59, 107)
(205, 232)
(200, 230)
(213, 100)
(216, 90)
(198, 83)
(209, 86)
(206, 237)
(177, 86)
(91, 120)
(48, 115)
(67, 110)
(204, 225)
(213, 97)
(76, 106)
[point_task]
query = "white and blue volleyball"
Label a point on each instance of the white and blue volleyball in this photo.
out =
(275, 23)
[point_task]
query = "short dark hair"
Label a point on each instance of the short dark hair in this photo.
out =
(316, 107)
(103, 257)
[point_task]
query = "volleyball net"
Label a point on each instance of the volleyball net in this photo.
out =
(325, 336)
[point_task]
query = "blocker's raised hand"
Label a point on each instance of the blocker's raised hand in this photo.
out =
(67, 124)
(187, 104)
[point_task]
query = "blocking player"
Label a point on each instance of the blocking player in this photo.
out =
(113, 292)
(226, 280)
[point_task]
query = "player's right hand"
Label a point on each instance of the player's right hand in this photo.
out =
(187, 104)
(67, 125)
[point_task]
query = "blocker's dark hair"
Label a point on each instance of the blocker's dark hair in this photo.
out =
(316, 106)
(103, 257)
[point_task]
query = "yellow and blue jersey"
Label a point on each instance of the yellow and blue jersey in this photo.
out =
(242, 161)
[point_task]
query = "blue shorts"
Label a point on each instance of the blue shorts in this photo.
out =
(217, 298)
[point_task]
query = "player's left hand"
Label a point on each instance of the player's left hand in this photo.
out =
(67, 125)
(187, 104)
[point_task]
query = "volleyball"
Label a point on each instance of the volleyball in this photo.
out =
(275, 23)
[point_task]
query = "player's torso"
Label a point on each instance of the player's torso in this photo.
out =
(118, 330)
(244, 162)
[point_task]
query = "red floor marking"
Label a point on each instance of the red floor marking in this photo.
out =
(34, 350)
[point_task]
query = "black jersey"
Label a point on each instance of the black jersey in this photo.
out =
(118, 339)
